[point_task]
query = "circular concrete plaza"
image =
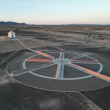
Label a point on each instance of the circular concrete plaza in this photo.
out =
(61, 70)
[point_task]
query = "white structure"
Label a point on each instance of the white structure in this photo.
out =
(11, 34)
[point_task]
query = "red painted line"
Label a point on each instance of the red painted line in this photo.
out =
(59, 69)
(91, 72)
(84, 61)
(44, 54)
(38, 59)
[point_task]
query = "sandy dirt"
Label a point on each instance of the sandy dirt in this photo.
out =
(12, 44)
(16, 96)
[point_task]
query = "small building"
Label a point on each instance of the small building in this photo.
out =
(11, 34)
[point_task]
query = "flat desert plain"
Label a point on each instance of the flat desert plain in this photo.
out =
(82, 38)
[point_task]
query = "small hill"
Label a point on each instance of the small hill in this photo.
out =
(11, 23)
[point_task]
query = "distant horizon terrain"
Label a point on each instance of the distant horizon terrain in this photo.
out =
(11, 23)
(17, 23)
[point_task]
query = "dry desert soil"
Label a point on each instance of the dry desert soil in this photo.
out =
(16, 96)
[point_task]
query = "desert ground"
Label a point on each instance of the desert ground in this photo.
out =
(82, 38)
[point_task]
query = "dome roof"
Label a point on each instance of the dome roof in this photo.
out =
(10, 32)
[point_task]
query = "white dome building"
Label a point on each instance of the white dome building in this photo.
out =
(11, 34)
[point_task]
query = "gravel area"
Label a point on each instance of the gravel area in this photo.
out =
(59, 85)
(46, 71)
(70, 72)
(17, 96)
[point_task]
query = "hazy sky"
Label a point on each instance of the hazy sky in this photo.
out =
(56, 11)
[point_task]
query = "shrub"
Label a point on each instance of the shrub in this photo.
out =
(17, 29)
(100, 36)
(86, 42)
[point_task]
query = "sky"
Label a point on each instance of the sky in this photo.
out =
(56, 11)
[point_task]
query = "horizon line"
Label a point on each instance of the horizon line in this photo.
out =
(61, 24)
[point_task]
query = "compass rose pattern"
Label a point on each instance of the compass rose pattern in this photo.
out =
(61, 62)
